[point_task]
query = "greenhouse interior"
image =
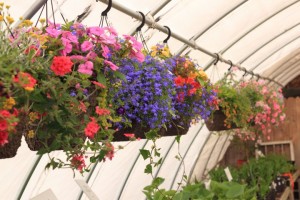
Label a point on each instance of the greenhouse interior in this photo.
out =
(150, 99)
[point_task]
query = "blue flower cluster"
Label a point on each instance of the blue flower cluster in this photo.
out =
(147, 95)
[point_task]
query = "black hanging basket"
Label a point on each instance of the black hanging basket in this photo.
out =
(139, 131)
(10, 149)
(216, 123)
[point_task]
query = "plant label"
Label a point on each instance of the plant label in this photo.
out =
(228, 174)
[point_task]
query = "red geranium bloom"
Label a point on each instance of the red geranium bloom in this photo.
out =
(98, 84)
(3, 125)
(179, 81)
(110, 152)
(61, 65)
(92, 128)
(129, 135)
(3, 138)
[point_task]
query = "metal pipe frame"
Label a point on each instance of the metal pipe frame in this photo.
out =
(152, 13)
(161, 28)
(294, 71)
(271, 54)
(268, 42)
(195, 37)
(223, 146)
(183, 157)
(278, 71)
(249, 31)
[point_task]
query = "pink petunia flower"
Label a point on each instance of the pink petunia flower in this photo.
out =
(86, 46)
(86, 68)
(111, 65)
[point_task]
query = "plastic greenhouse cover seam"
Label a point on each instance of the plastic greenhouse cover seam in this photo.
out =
(211, 152)
(289, 75)
(200, 128)
(181, 161)
(279, 69)
(228, 136)
(193, 44)
(271, 54)
(266, 43)
(130, 171)
(199, 155)
(195, 37)
(29, 176)
(252, 29)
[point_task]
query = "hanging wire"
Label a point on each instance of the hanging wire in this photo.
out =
(47, 13)
(104, 14)
(37, 21)
(53, 13)
(60, 11)
(215, 69)
(139, 33)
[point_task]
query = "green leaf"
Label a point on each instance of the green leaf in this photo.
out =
(145, 153)
(177, 138)
(148, 169)
(120, 75)
(101, 79)
(158, 181)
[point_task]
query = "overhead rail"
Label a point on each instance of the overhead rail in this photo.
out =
(191, 43)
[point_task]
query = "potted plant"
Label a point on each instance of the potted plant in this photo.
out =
(144, 97)
(234, 107)
(15, 84)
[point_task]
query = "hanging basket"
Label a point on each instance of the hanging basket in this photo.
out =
(10, 149)
(139, 131)
(48, 145)
(216, 123)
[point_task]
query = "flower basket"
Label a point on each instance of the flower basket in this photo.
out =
(216, 123)
(10, 149)
(139, 131)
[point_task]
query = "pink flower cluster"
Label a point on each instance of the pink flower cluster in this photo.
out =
(85, 44)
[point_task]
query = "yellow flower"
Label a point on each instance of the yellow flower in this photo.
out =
(1, 3)
(29, 89)
(203, 75)
(27, 23)
(10, 19)
(33, 116)
(42, 21)
(1, 18)
(9, 103)
(7, 6)
(166, 52)
(20, 18)
(31, 134)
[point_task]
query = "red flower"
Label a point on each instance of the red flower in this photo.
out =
(190, 81)
(110, 151)
(129, 135)
(78, 162)
(102, 111)
(179, 81)
(25, 80)
(3, 138)
(92, 128)
(98, 84)
(61, 65)
(192, 91)
(3, 125)
(4, 113)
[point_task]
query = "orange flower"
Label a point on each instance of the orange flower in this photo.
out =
(25, 80)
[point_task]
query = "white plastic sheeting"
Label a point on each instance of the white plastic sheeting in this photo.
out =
(262, 35)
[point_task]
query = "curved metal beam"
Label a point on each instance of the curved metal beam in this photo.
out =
(195, 37)
(287, 77)
(280, 70)
(268, 42)
(249, 31)
(183, 157)
(271, 54)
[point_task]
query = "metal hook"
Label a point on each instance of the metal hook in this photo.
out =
(231, 65)
(217, 59)
(109, 5)
(258, 77)
(169, 35)
(139, 28)
(245, 72)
